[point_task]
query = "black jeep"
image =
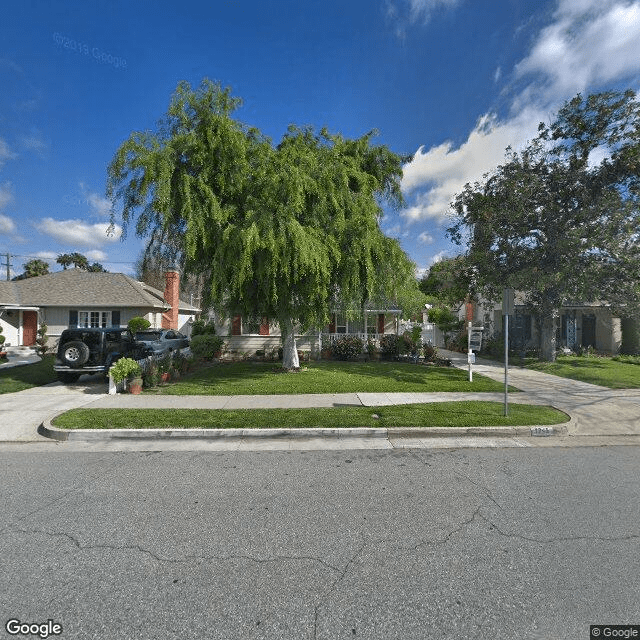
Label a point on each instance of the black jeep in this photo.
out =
(94, 350)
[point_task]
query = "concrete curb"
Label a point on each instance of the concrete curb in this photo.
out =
(100, 435)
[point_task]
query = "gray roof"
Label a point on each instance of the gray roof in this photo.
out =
(74, 288)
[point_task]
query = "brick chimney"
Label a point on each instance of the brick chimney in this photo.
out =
(171, 295)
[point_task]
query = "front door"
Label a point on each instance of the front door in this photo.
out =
(29, 328)
(588, 330)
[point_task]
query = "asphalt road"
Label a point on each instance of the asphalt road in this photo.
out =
(374, 544)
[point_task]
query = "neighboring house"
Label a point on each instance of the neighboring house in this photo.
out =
(76, 298)
(580, 325)
(245, 335)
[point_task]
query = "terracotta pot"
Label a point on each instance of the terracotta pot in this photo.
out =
(135, 386)
(165, 376)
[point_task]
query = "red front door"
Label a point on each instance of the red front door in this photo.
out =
(29, 328)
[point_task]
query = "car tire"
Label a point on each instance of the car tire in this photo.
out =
(69, 378)
(75, 353)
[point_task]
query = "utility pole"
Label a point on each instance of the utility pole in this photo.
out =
(8, 265)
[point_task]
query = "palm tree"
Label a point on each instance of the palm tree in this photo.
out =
(65, 259)
(35, 268)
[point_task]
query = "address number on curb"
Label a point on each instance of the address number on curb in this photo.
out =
(541, 431)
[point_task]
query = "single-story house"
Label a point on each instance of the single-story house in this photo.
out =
(580, 325)
(77, 298)
(248, 336)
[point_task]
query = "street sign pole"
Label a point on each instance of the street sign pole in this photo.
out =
(508, 309)
(506, 365)
(469, 351)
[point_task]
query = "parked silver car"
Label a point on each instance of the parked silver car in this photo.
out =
(162, 341)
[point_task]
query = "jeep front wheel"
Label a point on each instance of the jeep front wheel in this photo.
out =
(75, 353)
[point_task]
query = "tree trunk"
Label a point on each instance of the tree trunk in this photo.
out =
(548, 335)
(289, 347)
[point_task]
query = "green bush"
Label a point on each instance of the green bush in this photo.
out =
(41, 341)
(630, 336)
(205, 346)
(125, 368)
(138, 324)
(202, 328)
(390, 346)
(347, 348)
(430, 352)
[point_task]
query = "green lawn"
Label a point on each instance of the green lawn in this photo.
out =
(605, 372)
(27, 376)
(248, 378)
(437, 414)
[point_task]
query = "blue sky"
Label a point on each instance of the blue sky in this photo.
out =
(451, 82)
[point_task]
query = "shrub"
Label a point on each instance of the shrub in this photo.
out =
(430, 352)
(202, 328)
(205, 346)
(347, 348)
(124, 368)
(151, 377)
(41, 341)
(390, 346)
(138, 324)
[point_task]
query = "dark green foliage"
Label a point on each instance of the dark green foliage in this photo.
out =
(347, 348)
(630, 336)
(430, 352)
(41, 340)
(206, 346)
(151, 376)
(448, 281)
(76, 259)
(202, 327)
(553, 224)
(34, 268)
(272, 231)
(390, 346)
(138, 324)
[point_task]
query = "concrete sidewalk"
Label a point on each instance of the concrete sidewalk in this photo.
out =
(596, 412)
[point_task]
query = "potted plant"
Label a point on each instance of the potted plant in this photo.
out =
(164, 367)
(127, 369)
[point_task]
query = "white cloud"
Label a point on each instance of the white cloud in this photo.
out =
(77, 232)
(46, 255)
(35, 143)
(96, 254)
(442, 171)
(425, 238)
(7, 225)
(407, 12)
(439, 257)
(5, 195)
(5, 152)
(99, 205)
(588, 44)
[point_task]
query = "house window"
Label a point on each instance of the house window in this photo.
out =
(341, 323)
(251, 326)
(94, 319)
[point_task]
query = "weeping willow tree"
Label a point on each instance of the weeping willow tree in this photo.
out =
(277, 231)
